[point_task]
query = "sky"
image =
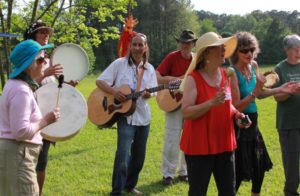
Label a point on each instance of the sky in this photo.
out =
(243, 7)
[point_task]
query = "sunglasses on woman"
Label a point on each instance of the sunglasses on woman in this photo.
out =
(40, 60)
(246, 50)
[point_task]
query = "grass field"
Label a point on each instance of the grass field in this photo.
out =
(83, 165)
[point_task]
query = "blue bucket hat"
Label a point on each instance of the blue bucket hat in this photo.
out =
(24, 54)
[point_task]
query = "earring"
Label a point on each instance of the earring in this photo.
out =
(207, 61)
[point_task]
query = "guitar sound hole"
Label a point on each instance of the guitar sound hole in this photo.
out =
(117, 102)
(172, 94)
(115, 106)
(178, 96)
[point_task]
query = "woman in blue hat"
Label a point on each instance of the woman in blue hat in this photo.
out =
(40, 32)
(21, 121)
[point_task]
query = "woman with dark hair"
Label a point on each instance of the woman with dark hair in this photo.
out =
(21, 121)
(135, 71)
(252, 158)
(40, 32)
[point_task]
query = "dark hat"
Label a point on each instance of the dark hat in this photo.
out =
(34, 27)
(186, 36)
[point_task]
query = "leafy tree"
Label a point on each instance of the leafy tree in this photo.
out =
(269, 27)
(207, 25)
(161, 21)
(272, 43)
(69, 18)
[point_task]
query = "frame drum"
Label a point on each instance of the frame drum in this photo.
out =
(73, 59)
(271, 79)
(73, 111)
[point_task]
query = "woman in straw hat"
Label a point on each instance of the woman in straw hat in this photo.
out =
(252, 158)
(21, 121)
(208, 138)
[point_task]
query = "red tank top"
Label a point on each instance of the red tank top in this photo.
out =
(213, 132)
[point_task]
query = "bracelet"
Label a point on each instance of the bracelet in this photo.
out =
(252, 95)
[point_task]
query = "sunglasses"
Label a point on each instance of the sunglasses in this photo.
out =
(246, 50)
(40, 60)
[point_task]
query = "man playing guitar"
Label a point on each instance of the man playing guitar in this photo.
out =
(172, 68)
(134, 71)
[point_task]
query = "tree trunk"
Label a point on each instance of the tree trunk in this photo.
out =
(5, 49)
(33, 16)
(2, 73)
(58, 13)
(7, 30)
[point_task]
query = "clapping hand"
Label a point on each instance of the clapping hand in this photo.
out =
(290, 88)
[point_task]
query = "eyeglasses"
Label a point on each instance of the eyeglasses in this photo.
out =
(246, 50)
(40, 60)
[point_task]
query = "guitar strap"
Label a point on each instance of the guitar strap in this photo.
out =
(140, 77)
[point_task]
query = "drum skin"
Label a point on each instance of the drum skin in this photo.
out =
(73, 59)
(271, 79)
(73, 111)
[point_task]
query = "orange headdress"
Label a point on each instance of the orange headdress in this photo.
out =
(126, 35)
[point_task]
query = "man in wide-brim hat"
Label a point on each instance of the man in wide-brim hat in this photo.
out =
(173, 67)
(186, 36)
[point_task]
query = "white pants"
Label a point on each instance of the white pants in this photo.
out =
(173, 158)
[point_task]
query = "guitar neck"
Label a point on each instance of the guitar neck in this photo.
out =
(158, 88)
(135, 95)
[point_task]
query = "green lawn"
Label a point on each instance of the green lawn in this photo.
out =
(83, 165)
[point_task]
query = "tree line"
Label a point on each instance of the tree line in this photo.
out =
(162, 20)
(96, 25)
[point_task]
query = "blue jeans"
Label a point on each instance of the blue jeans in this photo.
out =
(130, 156)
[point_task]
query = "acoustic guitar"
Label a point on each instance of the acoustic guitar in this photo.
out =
(168, 100)
(104, 109)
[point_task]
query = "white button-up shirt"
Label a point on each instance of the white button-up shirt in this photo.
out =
(119, 73)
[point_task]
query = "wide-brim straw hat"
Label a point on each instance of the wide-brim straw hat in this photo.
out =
(210, 39)
(24, 54)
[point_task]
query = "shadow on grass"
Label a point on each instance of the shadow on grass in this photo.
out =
(155, 187)
(68, 153)
(97, 193)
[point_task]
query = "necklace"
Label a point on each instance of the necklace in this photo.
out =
(246, 73)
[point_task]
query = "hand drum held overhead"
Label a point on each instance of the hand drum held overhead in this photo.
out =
(73, 59)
